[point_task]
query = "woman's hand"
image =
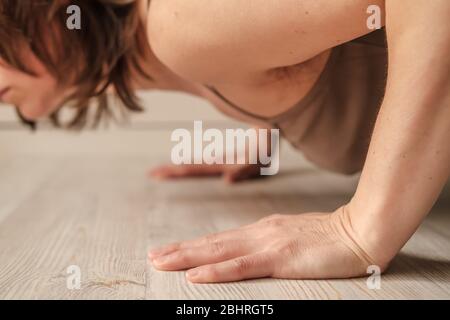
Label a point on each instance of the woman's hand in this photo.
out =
(306, 246)
(230, 173)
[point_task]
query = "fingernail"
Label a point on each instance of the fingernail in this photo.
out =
(192, 274)
(154, 253)
(161, 260)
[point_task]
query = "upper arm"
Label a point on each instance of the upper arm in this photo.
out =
(419, 50)
(205, 39)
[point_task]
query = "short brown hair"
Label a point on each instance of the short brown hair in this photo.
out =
(109, 44)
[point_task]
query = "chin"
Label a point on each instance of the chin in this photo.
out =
(33, 113)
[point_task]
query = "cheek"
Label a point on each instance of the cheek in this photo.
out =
(35, 96)
(41, 99)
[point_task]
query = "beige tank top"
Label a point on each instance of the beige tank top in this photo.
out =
(333, 123)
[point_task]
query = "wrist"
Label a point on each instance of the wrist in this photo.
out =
(368, 239)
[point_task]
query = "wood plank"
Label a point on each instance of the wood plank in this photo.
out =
(416, 273)
(101, 213)
(81, 216)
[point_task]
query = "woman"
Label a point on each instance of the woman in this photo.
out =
(312, 68)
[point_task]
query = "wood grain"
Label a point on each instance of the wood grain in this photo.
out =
(101, 213)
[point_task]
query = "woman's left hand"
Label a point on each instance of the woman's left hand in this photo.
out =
(306, 246)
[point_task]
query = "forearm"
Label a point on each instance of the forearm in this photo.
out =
(408, 161)
(408, 164)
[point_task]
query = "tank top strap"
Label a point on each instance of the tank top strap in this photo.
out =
(236, 107)
(303, 103)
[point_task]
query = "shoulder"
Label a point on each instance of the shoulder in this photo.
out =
(197, 38)
(204, 40)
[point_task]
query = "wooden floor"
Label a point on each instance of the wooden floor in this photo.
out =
(101, 213)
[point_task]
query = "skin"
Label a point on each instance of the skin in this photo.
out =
(36, 96)
(408, 161)
(264, 60)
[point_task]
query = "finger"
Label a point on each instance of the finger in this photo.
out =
(234, 176)
(248, 173)
(158, 170)
(198, 256)
(240, 234)
(164, 250)
(258, 265)
(235, 234)
(169, 172)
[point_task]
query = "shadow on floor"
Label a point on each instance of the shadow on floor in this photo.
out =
(409, 265)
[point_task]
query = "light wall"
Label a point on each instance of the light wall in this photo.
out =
(147, 134)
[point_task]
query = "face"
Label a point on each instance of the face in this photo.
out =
(36, 96)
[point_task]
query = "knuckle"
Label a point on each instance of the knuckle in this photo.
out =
(211, 272)
(272, 217)
(176, 246)
(241, 265)
(211, 239)
(290, 248)
(218, 248)
(181, 257)
(275, 220)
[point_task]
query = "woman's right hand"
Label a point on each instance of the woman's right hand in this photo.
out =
(230, 173)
